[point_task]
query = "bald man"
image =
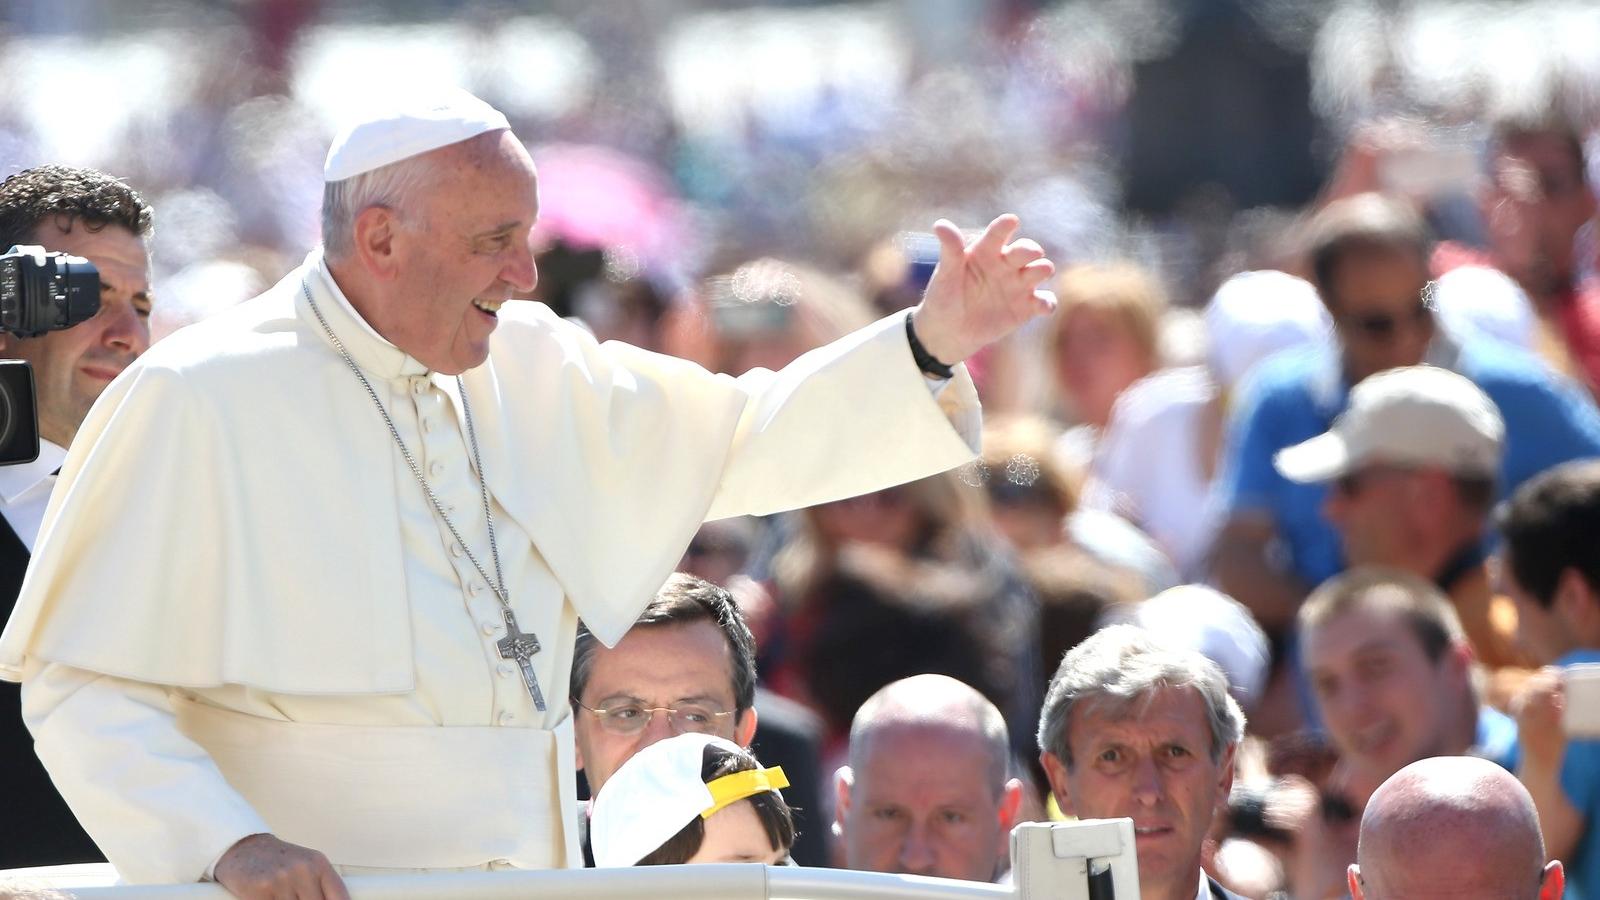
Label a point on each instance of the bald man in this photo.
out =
(1453, 827)
(926, 791)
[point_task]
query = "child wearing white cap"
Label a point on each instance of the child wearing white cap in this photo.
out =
(693, 798)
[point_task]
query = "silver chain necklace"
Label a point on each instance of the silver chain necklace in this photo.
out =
(517, 645)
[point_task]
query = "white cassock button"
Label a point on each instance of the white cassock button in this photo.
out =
(475, 587)
(506, 670)
(437, 468)
(508, 717)
(456, 549)
(489, 626)
(420, 386)
(427, 425)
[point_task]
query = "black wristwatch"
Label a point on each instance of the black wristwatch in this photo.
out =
(925, 360)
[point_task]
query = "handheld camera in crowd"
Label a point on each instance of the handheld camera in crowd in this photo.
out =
(40, 291)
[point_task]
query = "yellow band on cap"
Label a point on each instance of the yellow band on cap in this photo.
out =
(730, 789)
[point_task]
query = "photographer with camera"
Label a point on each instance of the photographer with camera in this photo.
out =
(91, 215)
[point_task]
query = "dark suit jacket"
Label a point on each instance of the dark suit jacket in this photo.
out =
(789, 735)
(37, 828)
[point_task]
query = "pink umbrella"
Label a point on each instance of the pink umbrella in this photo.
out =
(596, 197)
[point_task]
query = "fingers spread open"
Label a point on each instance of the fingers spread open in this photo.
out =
(995, 236)
(1021, 252)
(1037, 272)
(952, 245)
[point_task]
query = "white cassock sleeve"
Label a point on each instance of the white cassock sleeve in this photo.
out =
(162, 809)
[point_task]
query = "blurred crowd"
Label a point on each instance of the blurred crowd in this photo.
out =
(1323, 424)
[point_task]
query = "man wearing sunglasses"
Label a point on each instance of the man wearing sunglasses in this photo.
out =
(1368, 256)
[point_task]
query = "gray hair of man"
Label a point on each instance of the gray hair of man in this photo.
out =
(393, 186)
(939, 701)
(1122, 665)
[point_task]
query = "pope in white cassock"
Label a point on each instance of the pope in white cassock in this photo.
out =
(306, 592)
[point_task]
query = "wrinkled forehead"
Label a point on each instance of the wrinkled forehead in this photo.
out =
(1166, 710)
(491, 171)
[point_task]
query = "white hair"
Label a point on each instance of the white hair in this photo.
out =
(393, 186)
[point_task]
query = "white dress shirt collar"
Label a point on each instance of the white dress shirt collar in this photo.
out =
(19, 481)
(371, 350)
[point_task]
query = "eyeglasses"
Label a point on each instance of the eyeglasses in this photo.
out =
(629, 717)
(1382, 327)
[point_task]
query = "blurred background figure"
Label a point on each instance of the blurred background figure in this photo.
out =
(920, 562)
(1159, 455)
(1216, 626)
(1393, 679)
(1369, 256)
(1553, 566)
(1106, 338)
(1033, 498)
(1411, 468)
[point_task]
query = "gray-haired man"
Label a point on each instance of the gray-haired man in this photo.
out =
(1134, 728)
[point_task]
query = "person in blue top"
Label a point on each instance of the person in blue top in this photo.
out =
(1552, 559)
(1369, 261)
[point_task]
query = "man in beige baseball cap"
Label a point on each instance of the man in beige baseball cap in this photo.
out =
(1412, 465)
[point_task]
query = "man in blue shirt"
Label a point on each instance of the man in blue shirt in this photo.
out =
(1552, 555)
(1369, 258)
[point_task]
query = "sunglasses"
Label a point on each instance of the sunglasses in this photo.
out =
(1351, 483)
(1383, 327)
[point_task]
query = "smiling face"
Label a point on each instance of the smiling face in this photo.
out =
(459, 250)
(1385, 704)
(72, 367)
(1149, 761)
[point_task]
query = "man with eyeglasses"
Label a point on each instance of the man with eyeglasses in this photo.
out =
(1369, 258)
(687, 665)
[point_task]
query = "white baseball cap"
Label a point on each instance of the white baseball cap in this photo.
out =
(1256, 314)
(1412, 416)
(407, 127)
(1211, 623)
(659, 790)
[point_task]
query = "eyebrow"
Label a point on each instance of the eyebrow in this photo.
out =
(1375, 646)
(136, 295)
(498, 230)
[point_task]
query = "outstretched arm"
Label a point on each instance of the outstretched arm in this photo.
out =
(981, 291)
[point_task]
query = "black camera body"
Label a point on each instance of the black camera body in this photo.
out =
(40, 291)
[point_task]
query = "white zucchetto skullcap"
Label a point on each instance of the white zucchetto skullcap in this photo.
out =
(417, 124)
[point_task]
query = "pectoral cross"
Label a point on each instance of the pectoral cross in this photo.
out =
(521, 646)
